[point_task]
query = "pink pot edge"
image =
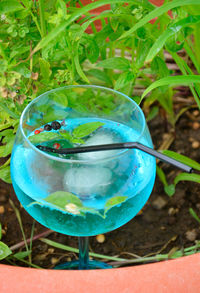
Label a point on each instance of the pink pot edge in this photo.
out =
(177, 275)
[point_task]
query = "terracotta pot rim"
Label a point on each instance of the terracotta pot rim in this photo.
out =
(177, 275)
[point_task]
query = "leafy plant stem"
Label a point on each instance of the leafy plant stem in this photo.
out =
(42, 18)
(36, 22)
(190, 53)
(182, 64)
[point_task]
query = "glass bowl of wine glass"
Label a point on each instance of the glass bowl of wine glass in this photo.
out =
(82, 194)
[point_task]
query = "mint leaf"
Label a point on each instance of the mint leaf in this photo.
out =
(63, 198)
(113, 201)
(86, 129)
(67, 202)
(66, 135)
(4, 250)
(115, 63)
(43, 136)
(70, 138)
(78, 140)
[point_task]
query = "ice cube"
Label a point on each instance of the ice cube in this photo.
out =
(98, 139)
(87, 181)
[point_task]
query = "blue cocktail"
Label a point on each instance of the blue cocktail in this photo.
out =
(88, 193)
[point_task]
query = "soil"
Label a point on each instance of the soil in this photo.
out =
(164, 223)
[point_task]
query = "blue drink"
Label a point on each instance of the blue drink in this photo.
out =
(104, 189)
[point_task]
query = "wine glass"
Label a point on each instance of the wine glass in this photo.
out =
(83, 194)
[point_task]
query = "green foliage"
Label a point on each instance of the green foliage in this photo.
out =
(45, 45)
(86, 129)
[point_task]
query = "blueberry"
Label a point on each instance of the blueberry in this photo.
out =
(55, 125)
(47, 127)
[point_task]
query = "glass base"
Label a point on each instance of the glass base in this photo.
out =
(74, 265)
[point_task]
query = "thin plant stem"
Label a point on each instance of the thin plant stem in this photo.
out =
(22, 243)
(36, 22)
(42, 18)
(20, 223)
(190, 53)
(31, 240)
(28, 263)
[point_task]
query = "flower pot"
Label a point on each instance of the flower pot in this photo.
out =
(179, 275)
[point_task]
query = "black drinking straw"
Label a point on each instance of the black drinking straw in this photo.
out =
(115, 146)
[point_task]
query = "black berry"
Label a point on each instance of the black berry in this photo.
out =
(47, 127)
(55, 125)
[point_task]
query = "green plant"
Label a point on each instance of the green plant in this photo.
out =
(44, 45)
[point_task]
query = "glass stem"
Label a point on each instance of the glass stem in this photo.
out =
(83, 253)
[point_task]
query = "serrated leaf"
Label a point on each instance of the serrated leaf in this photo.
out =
(114, 201)
(4, 250)
(43, 136)
(124, 79)
(159, 67)
(52, 114)
(59, 97)
(86, 129)
(66, 135)
(169, 189)
(143, 49)
(101, 75)
(187, 177)
(183, 159)
(62, 198)
(92, 51)
(115, 63)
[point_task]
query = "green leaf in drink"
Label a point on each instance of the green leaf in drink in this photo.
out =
(67, 202)
(86, 129)
(62, 199)
(114, 201)
(43, 137)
